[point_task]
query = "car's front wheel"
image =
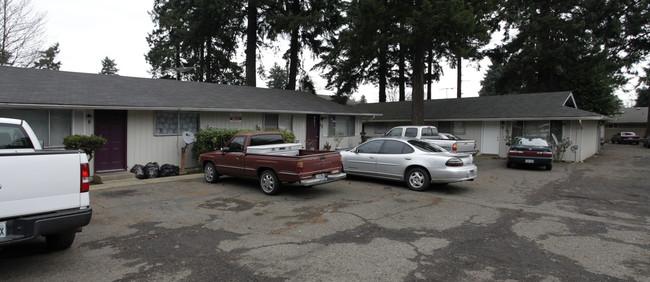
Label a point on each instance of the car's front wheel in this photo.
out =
(418, 179)
(210, 173)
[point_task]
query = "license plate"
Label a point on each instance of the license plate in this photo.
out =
(320, 177)
(3, 229)
(529, 161)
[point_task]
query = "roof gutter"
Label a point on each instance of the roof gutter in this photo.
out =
(185, 109)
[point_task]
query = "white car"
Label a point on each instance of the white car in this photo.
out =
(418, 163)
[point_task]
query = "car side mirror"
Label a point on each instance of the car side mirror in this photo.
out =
(225, 150)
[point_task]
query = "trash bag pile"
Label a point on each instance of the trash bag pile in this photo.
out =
(153, 170)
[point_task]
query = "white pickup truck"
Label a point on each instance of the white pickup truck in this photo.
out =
(42, 192)
(430, 133)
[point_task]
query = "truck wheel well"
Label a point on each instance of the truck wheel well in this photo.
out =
(263, 168)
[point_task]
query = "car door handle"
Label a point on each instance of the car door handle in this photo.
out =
(408, 159)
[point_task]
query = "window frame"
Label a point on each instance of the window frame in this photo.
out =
(179, 130)
(351, 126)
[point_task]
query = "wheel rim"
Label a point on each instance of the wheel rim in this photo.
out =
(416, 179)
(267, 182)
(209, 173)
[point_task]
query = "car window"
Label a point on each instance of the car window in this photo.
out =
(371, 147)
(411, 132)
(14, 137)
(266, 139)
(237, 144)
(429, 131)
(426, 146)
(393, 147)
(395, 132)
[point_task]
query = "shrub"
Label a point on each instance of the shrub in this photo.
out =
(88, 144)
(213, 139)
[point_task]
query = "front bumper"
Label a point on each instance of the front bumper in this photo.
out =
(26, 228)
(322, 179)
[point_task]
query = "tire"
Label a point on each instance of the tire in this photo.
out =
(508, 164)
(269, 182)
(60, 241)
(210, 173)
(418, 179)
(549, 166)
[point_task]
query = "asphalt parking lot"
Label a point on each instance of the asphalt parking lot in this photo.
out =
(584, 221)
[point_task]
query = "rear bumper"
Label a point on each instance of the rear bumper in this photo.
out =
(453, 174)
(26, 228)
(322, 180)
(529, 160)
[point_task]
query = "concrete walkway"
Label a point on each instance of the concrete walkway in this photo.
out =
(134, 181)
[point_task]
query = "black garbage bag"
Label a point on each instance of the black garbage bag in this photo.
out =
(168, 170)
(151, 170)
(139, 171)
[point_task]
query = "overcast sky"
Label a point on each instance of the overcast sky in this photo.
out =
(89, 30)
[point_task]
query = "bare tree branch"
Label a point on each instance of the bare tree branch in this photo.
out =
(21, 32)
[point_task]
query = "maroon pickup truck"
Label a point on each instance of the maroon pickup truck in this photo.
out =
(266, 157)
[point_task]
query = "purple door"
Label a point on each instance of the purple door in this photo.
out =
(112, 126)
(313, 132)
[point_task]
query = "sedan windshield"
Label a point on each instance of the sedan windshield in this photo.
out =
(426, 146)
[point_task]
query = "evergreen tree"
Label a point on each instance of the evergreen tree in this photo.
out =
(278, 77)
(575, 45)
(196, 40)
(305, 22)
(363, 100)
(47, 58)
(109, 67)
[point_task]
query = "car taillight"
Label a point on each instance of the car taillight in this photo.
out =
(299, 168)
(85, 178)
(515, 152)
(454, 147)
(341, 160)
(454, 162)
(547, 154)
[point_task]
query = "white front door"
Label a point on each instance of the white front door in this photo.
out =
(490, 138)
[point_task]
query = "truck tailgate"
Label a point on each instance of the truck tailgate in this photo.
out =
(321, 163)
(40, 182)
(465, 146)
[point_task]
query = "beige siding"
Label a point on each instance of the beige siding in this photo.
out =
(143, 146)
(250, 121)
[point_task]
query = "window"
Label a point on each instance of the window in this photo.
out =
(396, 147)
(371, 147)
(537, 128)
(278, 121)
(395, 132)
(411, 132)
(380, 128)
(341, 126)
(175, 123)
(237, 144)
(455, 127)
(50, 126)
(14, 137)
(266, 139)
(429, 131)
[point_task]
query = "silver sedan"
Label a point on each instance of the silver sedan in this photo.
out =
(416, 162)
